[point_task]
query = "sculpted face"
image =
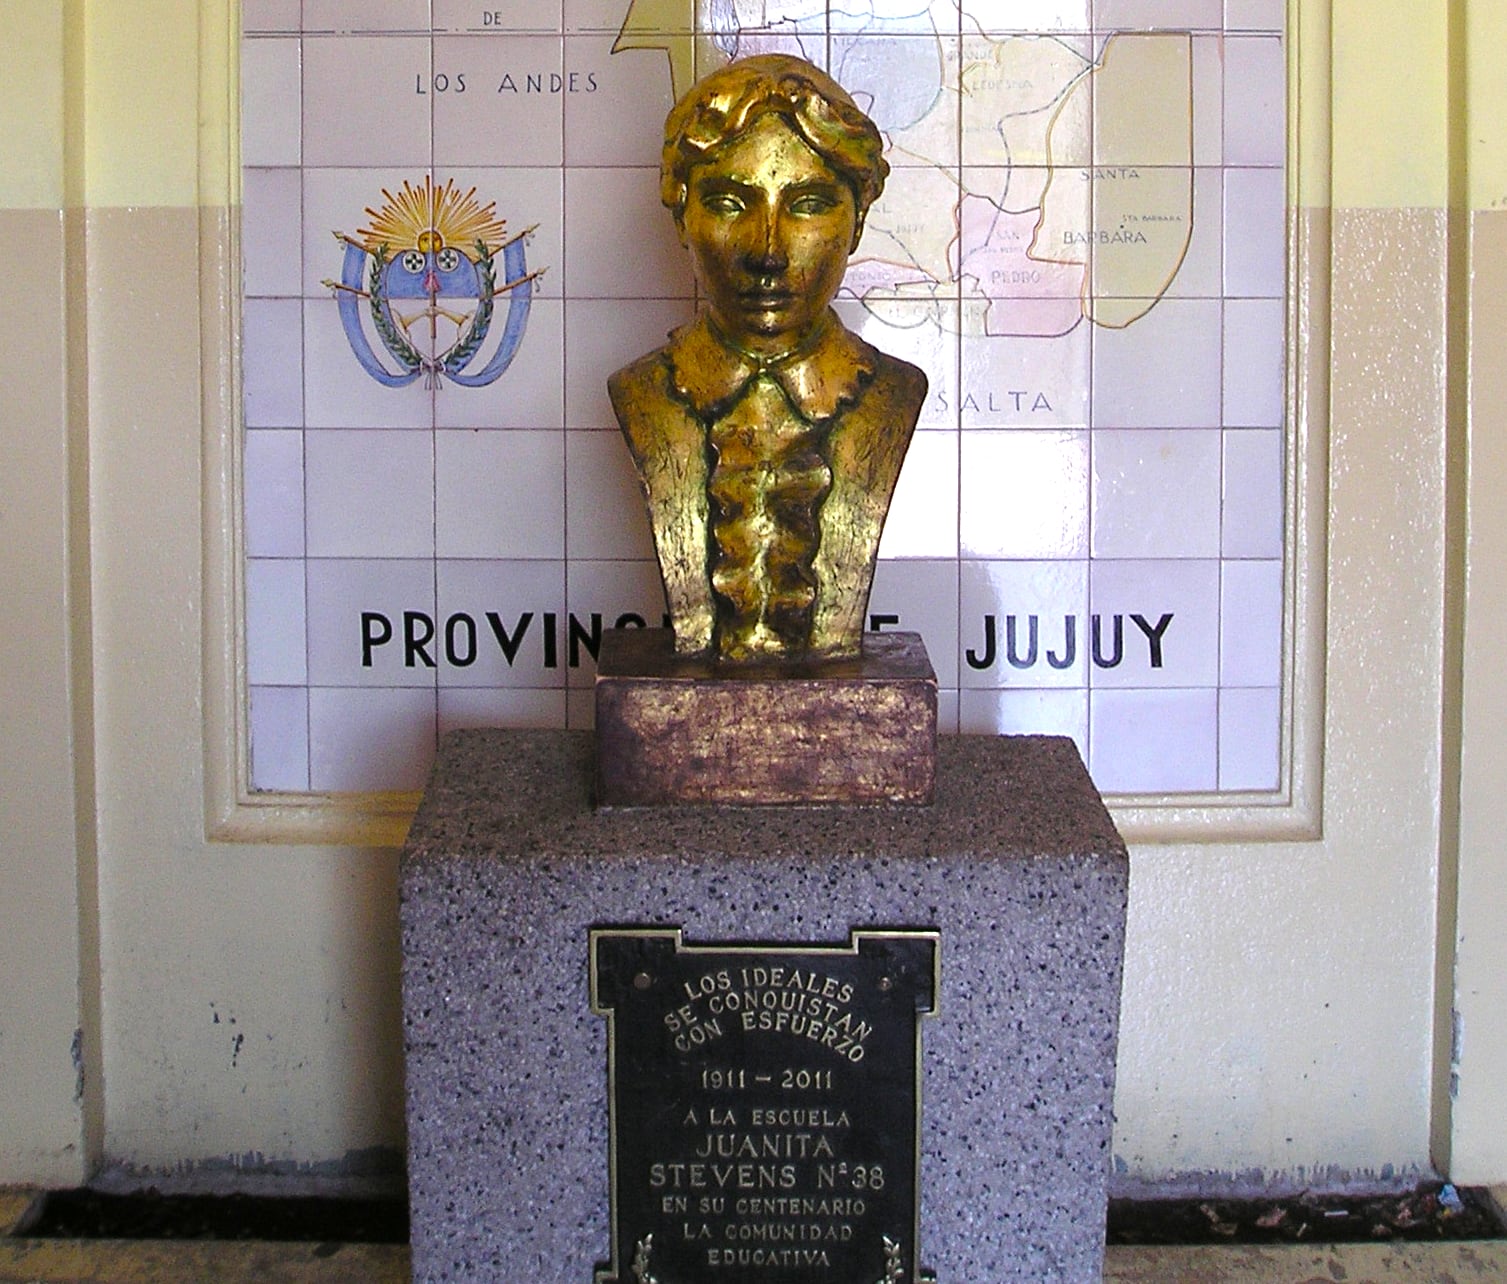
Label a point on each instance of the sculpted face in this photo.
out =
(769, 226)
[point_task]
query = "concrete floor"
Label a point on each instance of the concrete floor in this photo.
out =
(24, 1261)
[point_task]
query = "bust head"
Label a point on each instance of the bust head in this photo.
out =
(769, 168)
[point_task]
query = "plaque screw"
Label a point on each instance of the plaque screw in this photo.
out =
(886, 984)
(642, 981)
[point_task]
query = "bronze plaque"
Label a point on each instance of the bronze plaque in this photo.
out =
(764, 1107)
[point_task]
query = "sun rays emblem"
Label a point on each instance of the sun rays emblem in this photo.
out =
(426, 263)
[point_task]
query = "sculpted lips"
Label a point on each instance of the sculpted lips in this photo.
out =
(766, 298)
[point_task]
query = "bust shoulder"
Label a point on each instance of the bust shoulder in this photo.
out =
(640, 396)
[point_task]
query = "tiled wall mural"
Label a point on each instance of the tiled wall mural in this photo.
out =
(452, 235)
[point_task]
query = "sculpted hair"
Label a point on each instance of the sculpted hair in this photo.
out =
(722, 105)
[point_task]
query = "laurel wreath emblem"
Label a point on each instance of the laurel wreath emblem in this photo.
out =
(481, 322)
(403, 352)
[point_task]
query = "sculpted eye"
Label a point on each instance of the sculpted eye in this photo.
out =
(812, 204)
(722, 203)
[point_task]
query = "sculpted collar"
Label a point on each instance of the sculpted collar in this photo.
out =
(821, 378)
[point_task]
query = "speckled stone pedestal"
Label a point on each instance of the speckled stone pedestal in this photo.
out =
(507, 867)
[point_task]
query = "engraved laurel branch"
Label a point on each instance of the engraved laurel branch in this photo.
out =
(892, 1267)
(641, 1260)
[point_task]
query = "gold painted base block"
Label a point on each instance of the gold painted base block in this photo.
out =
(675, 730)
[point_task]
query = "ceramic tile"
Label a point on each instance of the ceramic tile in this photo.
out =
(1026, 15)
(500, 623)
(1253, 488)
(921, 127)
(1138, 240)
(371, 623)
(271, 231)
(991, 307)
(1255, 97)
(889, 20)
(1255, 15)
(1024, 495)
(605, 513)
(271, 363)
(1026, 713)
(1255, 250)
(1143, 107)
(529, 389)
(1250, 617)
(1177, 15)
(923, 333)
(365, 15)
(620, 241)
(896, 70)
(947, 711)
(1249, 743)
(1208, 99)
(923, 517)
(1255, 392)
(279, 738)
(616, 116)
(924, 597)
(339, 393)
(270, 15)
(1157, 624)
(496, 17)
(1019, 256)
(1027, 100)
(602, 335)
(1023, 382)
(1156, 493)
(503, 102)
(1024, 624)
(605, 595)
(1198, 275)
(338, 203)
(1161, 372)
(275, 647)
(271, 103)
(367, 101)
(370, 741)
(499, 494)
(463, 707)
(797, 27)
(904, 251)
(1153, 741)
(526, 198)
(273, 487)
(370, 493)
(607, 16)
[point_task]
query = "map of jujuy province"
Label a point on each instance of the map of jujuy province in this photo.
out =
(1037, 179)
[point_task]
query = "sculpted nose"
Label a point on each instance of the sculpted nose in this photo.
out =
(768, 252)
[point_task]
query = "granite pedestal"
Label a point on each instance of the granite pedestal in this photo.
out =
(1017, 865)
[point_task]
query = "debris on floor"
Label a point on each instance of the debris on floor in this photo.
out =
(1430, 1212)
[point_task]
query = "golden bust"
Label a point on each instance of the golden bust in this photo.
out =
(767, 436)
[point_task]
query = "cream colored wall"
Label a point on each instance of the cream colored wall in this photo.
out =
(1279, 1009)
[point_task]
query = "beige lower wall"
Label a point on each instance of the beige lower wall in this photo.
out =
(42, 1115)
(1278, 997)
(1479, 1133)
(251, 992)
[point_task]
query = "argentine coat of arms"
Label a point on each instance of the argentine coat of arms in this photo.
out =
(437, 248)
